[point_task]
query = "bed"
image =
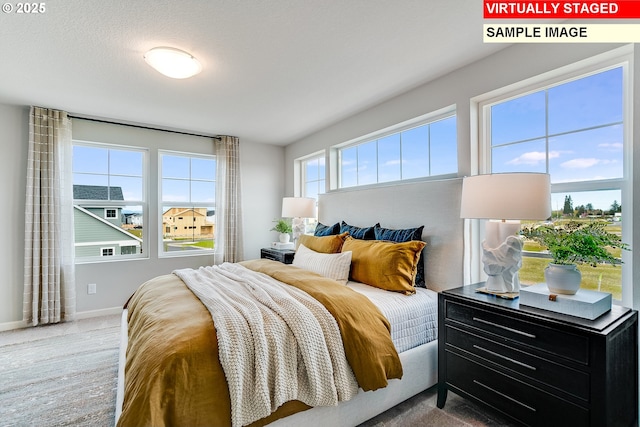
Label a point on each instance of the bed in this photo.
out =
(411, 330)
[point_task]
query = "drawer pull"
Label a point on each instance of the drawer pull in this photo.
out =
(526, 334)
(493, 353)
(505, 396)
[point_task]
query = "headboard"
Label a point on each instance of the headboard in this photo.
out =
(434, 204)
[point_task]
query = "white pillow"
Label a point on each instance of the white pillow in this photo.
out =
(333, 266)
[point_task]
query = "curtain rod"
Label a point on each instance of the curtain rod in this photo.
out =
(142, 127)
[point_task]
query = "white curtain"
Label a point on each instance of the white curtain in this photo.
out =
(49, 277)
(228, 203)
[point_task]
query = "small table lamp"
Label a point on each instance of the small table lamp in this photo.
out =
(505, 196)
(298, 208)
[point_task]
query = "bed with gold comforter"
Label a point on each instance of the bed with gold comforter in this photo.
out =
(173, 375)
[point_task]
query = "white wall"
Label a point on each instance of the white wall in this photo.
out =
(261, 175)
(14, 132)
(508, 66)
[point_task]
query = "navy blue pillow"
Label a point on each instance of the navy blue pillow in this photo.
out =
(365, 233)
(400, 236)
(326, 230)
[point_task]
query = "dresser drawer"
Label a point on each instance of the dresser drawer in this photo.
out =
(553, 341)
(523, 402)
(557, 376)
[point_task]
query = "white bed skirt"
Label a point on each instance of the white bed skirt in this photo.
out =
(420, 371)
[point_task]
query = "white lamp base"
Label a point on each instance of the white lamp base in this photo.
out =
(502, 256)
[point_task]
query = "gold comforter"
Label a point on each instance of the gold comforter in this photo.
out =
(173, 376)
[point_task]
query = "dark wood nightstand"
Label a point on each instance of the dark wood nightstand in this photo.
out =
(536, 366)
(283, 255)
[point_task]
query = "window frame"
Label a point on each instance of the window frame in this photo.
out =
(425, 119)
(117, 204)
(191, 205)
(481, 158)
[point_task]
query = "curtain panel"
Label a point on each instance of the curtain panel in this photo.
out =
(49, 277)
(228, 201)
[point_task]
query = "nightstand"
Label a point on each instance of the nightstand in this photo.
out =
(536, 366)
(283, 255)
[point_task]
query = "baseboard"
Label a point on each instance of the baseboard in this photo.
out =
(9, 326)
(97, 313)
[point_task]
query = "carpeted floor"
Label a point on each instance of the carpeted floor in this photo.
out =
(65, 375)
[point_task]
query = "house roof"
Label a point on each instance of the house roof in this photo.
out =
(96, 192)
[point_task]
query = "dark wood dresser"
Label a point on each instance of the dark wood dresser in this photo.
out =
(538, 367)
(283, 255)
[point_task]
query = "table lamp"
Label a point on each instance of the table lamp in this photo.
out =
(298, 208)
(504, 199)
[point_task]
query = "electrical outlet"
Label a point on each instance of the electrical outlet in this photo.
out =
(91, 288)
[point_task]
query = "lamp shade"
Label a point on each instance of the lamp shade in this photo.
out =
(505, 196)
(174, 63)
(298, 207)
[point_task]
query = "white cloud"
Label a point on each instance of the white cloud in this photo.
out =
(583, 163)
(533, 158)
(611, 146)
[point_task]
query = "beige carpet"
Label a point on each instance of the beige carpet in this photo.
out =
(65, 375)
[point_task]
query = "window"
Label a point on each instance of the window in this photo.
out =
(109, 201)
(188, 189)
(313, 176)
(575, 131)
(423, 148)
(107, 251)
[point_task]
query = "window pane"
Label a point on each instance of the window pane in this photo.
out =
(590, 101)
(415, 152)
(444, 147)
(203, 191)
(186, 228)
(428, 149)
(90, 160)
(175, 190)
(129, 188)
(522, 157)
(175, 167)
(203, 169)
(389, 158)
(518, 119)
(367, 163)
(583, 156)
(312, 171)
(123, 162)
(349, 167)
(311, 189)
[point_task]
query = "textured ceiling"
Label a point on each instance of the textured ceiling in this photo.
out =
(274, 70)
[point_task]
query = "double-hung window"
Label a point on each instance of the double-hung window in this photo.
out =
(574, 130)
(187, 203)
(109, 201)
(426, 147)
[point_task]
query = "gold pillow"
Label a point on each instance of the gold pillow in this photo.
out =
(325, 244)
(383, 264)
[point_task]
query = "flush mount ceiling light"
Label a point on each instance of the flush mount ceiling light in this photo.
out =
(174, 63)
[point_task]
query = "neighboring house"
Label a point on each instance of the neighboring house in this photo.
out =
(99, 229)
(183, 223)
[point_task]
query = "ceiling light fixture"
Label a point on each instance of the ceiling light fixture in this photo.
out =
(174, 63)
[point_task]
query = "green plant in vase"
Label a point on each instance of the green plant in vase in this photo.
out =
(573, 243)
(283, 227)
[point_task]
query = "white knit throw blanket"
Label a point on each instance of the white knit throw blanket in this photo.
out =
(276, 342)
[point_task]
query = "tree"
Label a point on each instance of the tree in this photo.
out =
(568, 206)
(589, 208)
(615, 207)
